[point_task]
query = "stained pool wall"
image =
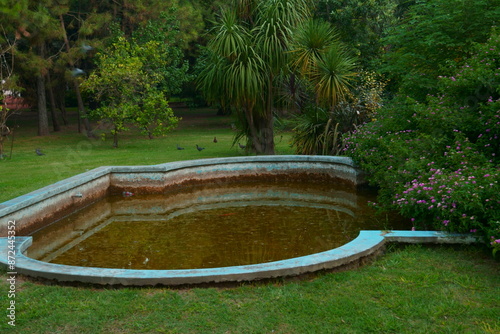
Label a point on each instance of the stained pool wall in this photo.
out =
(41, 207)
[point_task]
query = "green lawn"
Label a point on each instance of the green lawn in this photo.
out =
(68, 153)
(410, 289)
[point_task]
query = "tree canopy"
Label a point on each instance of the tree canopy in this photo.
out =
(432, 36)
(255, 53)
(128, 90)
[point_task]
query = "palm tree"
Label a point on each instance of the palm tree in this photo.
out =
(311, 40)
(234, 71)
(248, 53)
(333, 76)
(318, 57)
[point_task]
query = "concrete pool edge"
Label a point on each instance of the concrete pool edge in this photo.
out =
(29, 211)
(367, 244)
(35, 209)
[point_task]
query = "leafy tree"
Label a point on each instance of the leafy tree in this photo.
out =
(39, 28)
(56, 39)
(172, 69)
(438, 162)
(361, 24)
(11, 32)
(83, 27)
(432, 35)
(131, 15)
(46, 52)
(128, 91)
(249, 62)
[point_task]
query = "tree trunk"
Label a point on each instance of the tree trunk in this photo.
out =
(81, 107)
(61, 104)
(253, 132)
(1, 146)
(53, 107)
(4, 130)
(81, 111)
(267, 122)
(266, 134)
(43, 121)
(115, 138)
(262, 136)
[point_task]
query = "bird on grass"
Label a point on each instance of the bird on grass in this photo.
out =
(215, 139)
(242, 146)
(179, 148)
(199, 148)
(39, 152)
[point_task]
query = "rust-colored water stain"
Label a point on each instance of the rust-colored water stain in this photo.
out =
(210, 225)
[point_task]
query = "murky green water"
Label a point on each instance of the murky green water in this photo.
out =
(210, 226)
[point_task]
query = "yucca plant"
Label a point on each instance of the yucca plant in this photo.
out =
(311, 40)
(309, 130)
(250, 44)
(320, 131)
(320, 59)
(333, 76)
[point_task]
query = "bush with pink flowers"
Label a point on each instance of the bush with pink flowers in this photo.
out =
(438, 162)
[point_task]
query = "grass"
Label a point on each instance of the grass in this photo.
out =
(410, 289)
(68, 153)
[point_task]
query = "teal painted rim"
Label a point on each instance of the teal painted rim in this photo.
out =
(367, 243)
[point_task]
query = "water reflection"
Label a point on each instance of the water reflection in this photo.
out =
(208, 226)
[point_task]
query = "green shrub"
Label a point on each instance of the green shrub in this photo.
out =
(438, 162)
(319, 131)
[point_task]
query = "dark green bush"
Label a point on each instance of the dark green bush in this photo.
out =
(438, 162)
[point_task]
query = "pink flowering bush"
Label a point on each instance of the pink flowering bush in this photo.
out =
(495, 244)
(464, 200)
(437, 162)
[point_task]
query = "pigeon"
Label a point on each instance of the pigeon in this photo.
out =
(38, 152)
(179, 148)
(215, 139)
(199, 148)
(76, 72)
(241, 146)
(86, 48)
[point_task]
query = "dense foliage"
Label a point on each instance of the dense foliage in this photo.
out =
(127, 88)
(432, 35)
(45, 44)
(318, 130)
(409, 88)
(257, 49)
(362, 24)
(438, 162)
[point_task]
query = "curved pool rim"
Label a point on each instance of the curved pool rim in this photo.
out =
(368, 243)
(81, 189)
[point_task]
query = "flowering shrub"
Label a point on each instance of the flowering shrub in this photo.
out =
(437, 162)
(495, 243)
(464, 200)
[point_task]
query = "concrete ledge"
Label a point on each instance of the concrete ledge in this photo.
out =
(38, 208)
(42, 206)
(366, 244)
